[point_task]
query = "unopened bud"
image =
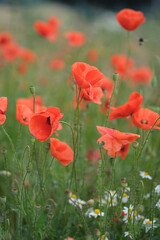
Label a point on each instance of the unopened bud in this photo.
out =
(135, 144)
(115, 77)
(5, 173)
(4, 152)
(14, 191)
(97, 232)
(124, 183)
(90, 202)
(3, 199)
(32, 90)
(68, 193)
(33, 139)
(101, 144)
(26, 184)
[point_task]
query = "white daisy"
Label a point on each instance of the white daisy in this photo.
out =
(94, 213)
(125, 198)
(145, 175)
(148, 224)
(127, 234)
(103, 237)
(76, 202)
(129, 214)
(158, 204)
(111, 198)
(157, 189)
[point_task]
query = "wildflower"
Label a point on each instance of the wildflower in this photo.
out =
(23, 114)
(10, 51)
(145, 175)
(3, 109)
(122, 65)
(104, 237)
(142, 75)
(125, 198)
(42, 125)
(61, 151)
(27, 55)
(145, 118)
(148, 224)
(87, 76)
(115, 140)
(134, 103)
(92, 55)
(158, 204)
(77, 202)
(93, 155)
(127, 234)
(111, 198)
(57, 64)
(94, 213)
(75, 39)
(5, 38)
(147, 196)
(157, 189)
(92, 94)
(129, 214)
(130, 19)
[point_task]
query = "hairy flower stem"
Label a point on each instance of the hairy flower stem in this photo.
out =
(100, 187)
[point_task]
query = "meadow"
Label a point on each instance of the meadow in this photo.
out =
(79, 133)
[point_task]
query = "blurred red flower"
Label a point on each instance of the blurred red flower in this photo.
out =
(3, 109)
(134, 103)
(75, 39)
(122, 65)
(57, 64)
(42, 125)
(92, 55)
(144, 118)
(93, 155)
(61, 151)
(5, 38)
(130, 19)
(142, 75)
(114, 140)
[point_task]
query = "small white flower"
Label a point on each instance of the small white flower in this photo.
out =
(145, 175)
(148, 224)
(130, 214)
(157, 189)
(147, 196)
(103, 237)
(76, 202)
(111, 198)
(158, 204)
(125, 198)
(127, 234)
(94, 213)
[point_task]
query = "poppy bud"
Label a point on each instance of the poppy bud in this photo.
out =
(68, 193)
(33, 139)
(90, 202)
(115, 76)
(4, 152)
(14, 191)
(26, 184)
(123, 182)
(99, 163)
(32, 90)
(97, 232)
(37, 207)
(101, 144)
(135, 144)
(3, 199)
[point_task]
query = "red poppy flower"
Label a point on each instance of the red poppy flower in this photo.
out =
(93, 155)
(54, 22)
(134, 103)
(42, 125)
(5, 38)
(29, 103)
(145, 118)
(142, 75)
(92, 55)
(46, 30)
(130, 19)
(108, 85)
(10, 51)
(61, 151)
(22, 69)
(122, 65)
(92, 94)
(115, 140)
(27, 55)
(23, 114)
(86, 75)
(123, 151)
(3, 109)
(57, 64)
(75, 39)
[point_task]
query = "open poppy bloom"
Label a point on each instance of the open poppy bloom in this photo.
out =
(123, 151)
(42, 125)
(75, 39)
(3, 109)
(23, 113)
(93, 155)
(115, 141)
(122, 65)
(130, 19)
(61, 151)
(142, 75)
(5, 38)
(134, 103)
(145, 118)
(87, 76)
(92, 94)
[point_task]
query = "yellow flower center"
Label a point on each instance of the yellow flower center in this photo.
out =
(102, 237)
(124, 195)
(146, 174)
(148, 222)
(79, 203)
(130, 210)
(136, 214)
(74, 196)
(97, 211)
